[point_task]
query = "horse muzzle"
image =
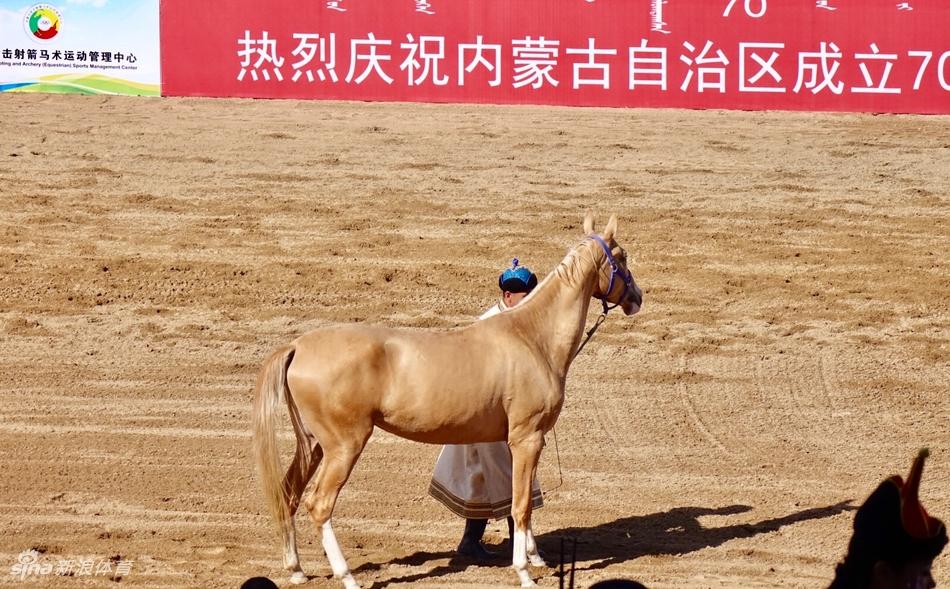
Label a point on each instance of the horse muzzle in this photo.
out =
(632, 301)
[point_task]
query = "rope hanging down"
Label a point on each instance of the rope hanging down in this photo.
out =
(557, 451)
(590, 334)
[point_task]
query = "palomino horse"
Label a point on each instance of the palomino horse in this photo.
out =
(497, 379)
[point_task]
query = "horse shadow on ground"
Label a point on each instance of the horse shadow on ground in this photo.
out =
(673, 532)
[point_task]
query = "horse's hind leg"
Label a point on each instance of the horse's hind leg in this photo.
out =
(306, 459)
(334, 471)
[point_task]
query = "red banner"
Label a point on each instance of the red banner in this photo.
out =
(834, 55)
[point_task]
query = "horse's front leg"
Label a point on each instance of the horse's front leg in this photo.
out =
(525, 452)
(531, 547)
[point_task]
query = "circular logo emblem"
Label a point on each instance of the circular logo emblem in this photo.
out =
(42, 22)
(28, 557)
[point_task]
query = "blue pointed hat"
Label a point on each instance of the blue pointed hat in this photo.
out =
(517, 278)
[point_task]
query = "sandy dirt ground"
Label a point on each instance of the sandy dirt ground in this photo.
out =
(793, 349)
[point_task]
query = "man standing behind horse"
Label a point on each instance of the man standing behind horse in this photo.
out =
(474, 480)
(498, 379)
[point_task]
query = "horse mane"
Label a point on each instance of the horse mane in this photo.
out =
(570, 269)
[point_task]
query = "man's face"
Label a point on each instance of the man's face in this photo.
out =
(913, 575)
(513, 298)
(917, 575)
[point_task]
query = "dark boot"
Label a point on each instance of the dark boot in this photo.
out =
(471, 544)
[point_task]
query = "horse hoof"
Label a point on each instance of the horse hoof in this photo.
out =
(537, 561)
(298, 578)
(525, 578)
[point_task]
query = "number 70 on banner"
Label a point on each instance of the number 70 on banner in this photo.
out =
(762, 4)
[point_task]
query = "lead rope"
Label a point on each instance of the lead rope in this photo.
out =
(557, 451)
(590, 334)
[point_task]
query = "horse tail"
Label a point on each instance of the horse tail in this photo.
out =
(270, 393)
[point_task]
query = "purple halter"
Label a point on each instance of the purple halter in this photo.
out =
(615, 271)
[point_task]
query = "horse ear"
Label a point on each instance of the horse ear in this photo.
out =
(589, 223)
(611, 229)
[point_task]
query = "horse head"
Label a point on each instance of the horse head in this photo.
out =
(615, 284)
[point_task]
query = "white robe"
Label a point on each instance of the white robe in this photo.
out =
(474, 480)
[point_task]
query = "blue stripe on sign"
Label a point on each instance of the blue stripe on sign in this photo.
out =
(6, 87)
